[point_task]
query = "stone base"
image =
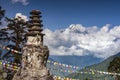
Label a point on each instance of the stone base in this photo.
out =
(33, 75)
(33, 78)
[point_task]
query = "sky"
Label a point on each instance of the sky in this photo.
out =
(74, 27)
(57, 14)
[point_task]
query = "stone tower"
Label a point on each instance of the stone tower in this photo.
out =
(35, 54)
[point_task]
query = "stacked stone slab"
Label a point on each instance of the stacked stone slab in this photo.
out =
(35, 54)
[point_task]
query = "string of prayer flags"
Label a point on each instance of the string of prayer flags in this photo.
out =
(63, 78)
(91, 72)
(14, 66)
(9, 49)
(61, 70)
(63, 65)
(7, 65)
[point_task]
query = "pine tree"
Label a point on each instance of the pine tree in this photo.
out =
(114, 67)
(2, 12)
(14, 33)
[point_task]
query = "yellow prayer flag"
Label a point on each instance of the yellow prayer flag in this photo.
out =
(93, 72)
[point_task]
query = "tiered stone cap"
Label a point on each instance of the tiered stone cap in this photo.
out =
(35, 24)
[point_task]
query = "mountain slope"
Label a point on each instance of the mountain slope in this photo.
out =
(54, 68)
(100, 67)
(80, 61)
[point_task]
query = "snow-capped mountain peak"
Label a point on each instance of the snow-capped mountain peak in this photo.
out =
(77, 28)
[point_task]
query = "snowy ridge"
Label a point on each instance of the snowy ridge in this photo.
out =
(77, 28)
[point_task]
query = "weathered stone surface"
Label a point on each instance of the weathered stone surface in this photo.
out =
(34, 61)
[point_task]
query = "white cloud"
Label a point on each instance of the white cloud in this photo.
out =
(80, 40)
(24, 2)
(24, 17)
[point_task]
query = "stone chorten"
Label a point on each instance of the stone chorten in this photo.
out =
(35, 54)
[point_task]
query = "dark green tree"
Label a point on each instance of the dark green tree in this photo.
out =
(114, 67)
(2, 12)
(14, 34)
(2, 72)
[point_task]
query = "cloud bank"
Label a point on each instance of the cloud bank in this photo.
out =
(24, 17)
(24, 2)
(79, 40)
